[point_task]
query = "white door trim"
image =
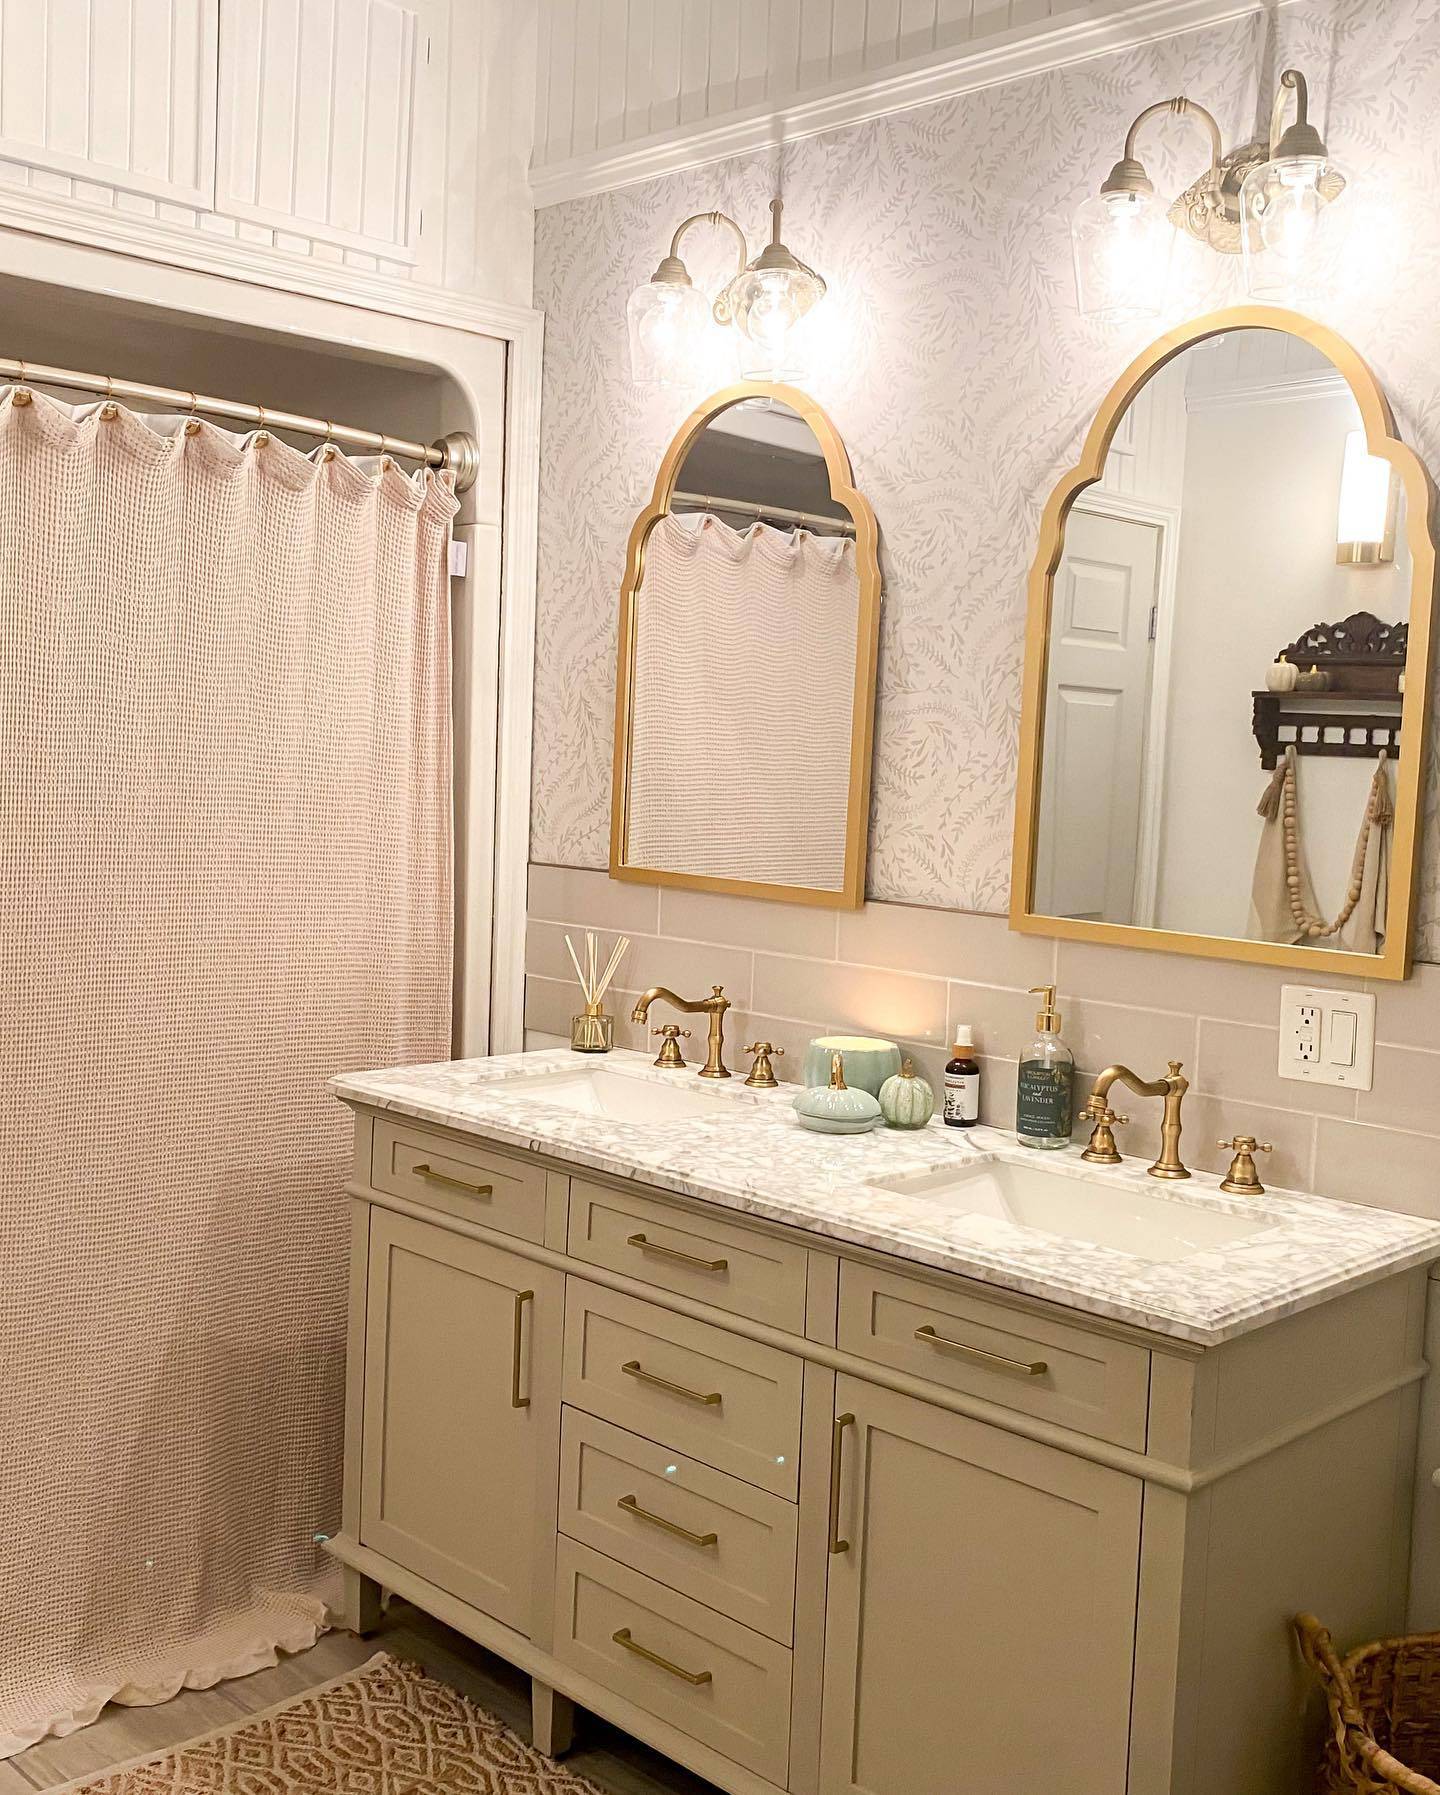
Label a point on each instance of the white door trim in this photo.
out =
(1165, 521)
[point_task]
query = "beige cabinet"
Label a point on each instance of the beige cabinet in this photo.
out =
(980, 1614)
(462, 1339)
(814, 1522)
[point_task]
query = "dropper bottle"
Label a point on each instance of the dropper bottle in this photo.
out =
(1045, 1082)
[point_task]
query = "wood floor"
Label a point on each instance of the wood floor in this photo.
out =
(609, 1758)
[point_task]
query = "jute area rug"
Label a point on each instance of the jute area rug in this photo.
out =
(384, 1729)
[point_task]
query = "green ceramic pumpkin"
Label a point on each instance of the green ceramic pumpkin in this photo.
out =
(836, 1108)
(906, 1100)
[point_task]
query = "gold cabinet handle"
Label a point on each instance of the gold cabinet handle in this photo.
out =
(517, 1401)
(632, 1507)
(837, 1449)
(664, 1252)
(695, 1678)
(475, 1190)
(994, 1361)
(711, 1398)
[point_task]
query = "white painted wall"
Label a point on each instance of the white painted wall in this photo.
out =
(1269, 467)
(380, 137)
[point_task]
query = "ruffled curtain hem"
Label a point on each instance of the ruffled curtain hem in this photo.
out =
(275, 1635)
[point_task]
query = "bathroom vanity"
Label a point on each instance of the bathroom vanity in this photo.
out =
(895, 1463)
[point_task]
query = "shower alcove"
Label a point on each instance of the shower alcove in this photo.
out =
(379, 371)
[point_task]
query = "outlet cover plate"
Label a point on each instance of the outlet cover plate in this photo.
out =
(1327, 1037)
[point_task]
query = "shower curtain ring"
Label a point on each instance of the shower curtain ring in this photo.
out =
(21, 395)
(262, 435)
(109, 410)
(328, 450)
(192, 423)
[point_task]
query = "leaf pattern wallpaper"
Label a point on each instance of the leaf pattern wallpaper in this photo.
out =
(952, 358)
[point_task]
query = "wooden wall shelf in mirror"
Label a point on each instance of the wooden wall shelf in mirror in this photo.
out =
(1243, 479)
(745, 687)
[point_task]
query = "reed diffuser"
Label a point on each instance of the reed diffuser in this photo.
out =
(592, 1031)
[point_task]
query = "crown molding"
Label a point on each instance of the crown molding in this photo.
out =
(1097, 28)
(204, 252)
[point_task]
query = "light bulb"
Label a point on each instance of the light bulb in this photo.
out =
(668, 321)
(1122, 244)
(1285, 205)
(1291, 216)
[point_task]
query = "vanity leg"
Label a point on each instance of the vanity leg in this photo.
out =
(360, 1608)
(552, 1724)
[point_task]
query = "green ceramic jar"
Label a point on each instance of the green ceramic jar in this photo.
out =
(868, 1061)
(836, 1108)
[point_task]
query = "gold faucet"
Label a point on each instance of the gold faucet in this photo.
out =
(713, 1006)
(1172, 1088)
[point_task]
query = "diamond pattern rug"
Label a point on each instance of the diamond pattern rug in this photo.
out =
(384, 1729)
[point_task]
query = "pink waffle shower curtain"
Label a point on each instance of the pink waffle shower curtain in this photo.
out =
(225, 803)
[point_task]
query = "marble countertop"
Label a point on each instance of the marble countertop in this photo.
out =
(752, 1156)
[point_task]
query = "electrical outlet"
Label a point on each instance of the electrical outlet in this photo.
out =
(1327, 1037)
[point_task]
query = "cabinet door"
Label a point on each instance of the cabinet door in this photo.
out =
(461, 1411)
(980, 1625)
(113, 91)
(324, 107)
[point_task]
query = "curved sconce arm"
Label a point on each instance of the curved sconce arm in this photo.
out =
(1128, 174)
(673, 269)
(1301, 139)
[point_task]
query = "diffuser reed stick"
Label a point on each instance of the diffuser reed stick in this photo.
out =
(592, 1031)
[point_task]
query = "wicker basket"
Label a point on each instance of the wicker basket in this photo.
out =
(1384, 1701)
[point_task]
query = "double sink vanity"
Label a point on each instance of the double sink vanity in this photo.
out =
(898, 1463)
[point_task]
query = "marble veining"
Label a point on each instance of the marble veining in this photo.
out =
(753, 1157)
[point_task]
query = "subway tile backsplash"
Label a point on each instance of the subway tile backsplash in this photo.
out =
(913, 973)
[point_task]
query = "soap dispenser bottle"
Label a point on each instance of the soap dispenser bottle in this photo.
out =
(1045, 1085)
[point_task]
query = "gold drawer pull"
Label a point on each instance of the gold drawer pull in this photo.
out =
(632, 1507)
(517, 1401)
(664, 1252)
(837, 1447)
(994, 1360)
(633, 1368)
(475, 1190)
(695, 1678)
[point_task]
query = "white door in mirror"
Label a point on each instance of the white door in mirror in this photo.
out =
(1327, 1037)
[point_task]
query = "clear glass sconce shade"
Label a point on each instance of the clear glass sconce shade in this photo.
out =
(1285, 223)
(668, 321)
(766, 305)
(1122, 244)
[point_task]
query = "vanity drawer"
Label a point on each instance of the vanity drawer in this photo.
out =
(463, 1178)
(1093, 1384)
(694, 1529)
(713, 1679)
(729, 1402)
(707, 1259)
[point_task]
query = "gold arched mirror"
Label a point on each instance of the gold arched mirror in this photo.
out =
(749, 624)
(1227, 655)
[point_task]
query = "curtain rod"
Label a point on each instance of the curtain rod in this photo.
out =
(457, 451)
(780, 513)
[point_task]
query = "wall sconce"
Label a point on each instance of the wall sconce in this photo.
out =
(1262, 199)
(1365, 521)
(764, 301)
(1283, 200)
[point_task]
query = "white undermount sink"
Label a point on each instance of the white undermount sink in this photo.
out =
(620, 1097)
(1126, 1219)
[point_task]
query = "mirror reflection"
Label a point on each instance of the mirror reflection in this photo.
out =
(1226, 660)
(749, 666)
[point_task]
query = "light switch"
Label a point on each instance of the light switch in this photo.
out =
(1327, 1037)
